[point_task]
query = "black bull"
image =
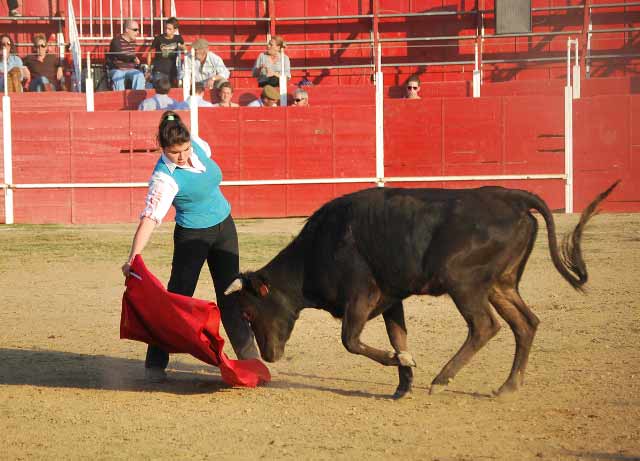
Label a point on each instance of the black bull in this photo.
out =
(360, 255)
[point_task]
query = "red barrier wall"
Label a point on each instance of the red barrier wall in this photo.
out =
(434, 137)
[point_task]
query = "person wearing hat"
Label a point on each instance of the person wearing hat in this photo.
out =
(267, 68)
(209, 68)
(269, 98)
(164, 52)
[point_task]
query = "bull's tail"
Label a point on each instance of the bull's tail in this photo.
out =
(568, 261)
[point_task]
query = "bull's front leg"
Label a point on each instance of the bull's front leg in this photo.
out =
(397, 331)
(353, 322)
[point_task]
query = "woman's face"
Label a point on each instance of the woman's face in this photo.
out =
(6, 44)
(170, 30)
(273, 48)
(179, 153)
(225, 94)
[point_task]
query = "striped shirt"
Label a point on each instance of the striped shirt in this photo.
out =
(122, 53)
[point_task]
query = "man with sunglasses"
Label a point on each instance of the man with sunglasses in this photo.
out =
(300, 98)
(122, 60)
(45, 68)
(413, 87)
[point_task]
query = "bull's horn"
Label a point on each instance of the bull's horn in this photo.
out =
(236, 285)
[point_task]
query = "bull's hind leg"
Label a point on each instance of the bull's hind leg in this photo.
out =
(397, 331)
(523, 323)
(483, 325)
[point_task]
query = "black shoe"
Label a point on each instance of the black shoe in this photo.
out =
(155, 375)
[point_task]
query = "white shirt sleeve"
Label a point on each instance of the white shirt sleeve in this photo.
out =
(162, 190)
(220, 68)
(203, 144)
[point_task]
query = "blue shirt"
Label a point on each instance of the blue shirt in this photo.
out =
(199, 202)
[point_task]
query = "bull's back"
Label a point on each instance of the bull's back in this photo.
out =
(403, 235)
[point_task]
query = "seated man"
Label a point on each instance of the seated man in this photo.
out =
(199, 97)
(300, 98)
(161, 99)
(16, 71)
(45, 68)
(269, 98)
(225, 93)
(122, 60)
(209, 68)
(413, 88)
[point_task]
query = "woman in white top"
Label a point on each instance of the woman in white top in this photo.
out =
(267, 68)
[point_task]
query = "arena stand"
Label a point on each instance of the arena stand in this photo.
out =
(516, 127)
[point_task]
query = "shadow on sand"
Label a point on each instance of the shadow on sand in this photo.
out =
(48, 368)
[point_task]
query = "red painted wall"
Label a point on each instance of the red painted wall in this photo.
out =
(437, 136)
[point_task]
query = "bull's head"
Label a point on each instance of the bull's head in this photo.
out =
(268, 310)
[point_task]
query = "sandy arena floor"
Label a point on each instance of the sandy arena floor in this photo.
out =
(70, 389)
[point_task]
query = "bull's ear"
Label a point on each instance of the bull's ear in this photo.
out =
(259, 284)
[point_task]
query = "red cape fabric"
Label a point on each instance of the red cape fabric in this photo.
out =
(180, 324)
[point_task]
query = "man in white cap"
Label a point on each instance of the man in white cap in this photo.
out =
(209, 67)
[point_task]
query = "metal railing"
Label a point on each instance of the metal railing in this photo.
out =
(109, 15)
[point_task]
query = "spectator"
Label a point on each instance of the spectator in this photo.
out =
(122, 59)
(225, 93)
(14, 6)
(199, 96)
(300, 98)
(413, 87)
(45, 68)
(16, 71)
(209, 67)
(164, 52)
(267, 68)
(269, 98)
(161, 99)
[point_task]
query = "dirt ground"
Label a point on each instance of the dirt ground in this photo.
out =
(71, 389)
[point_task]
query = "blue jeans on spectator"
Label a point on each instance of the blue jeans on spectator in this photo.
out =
(118, 77)
(38, 84)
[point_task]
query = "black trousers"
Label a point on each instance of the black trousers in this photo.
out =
(13, 4)
(273, 81)
(218, 245)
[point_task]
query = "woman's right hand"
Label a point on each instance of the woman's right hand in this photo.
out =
(126, 269)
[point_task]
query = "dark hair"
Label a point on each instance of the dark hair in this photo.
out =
(162, 85)
(12, 48)
(172, 131)
(226, 84)
(173, 21)
(199, 87)
(414, 78)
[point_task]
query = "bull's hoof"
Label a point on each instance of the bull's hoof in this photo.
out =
(402, 394)
(437, 389)
(506, 390)
(405, 359)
